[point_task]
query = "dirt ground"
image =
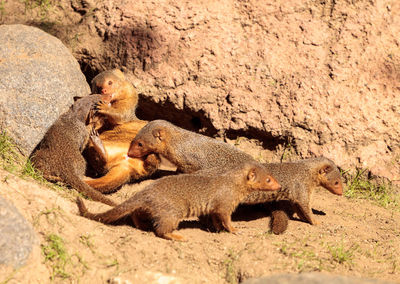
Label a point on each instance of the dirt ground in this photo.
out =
(354, 237)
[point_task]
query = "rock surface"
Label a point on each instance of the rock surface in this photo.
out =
(16, 236)
(312, 278)
(319, 76)
(38, 79)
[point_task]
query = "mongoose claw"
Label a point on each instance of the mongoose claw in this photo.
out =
(100, 106)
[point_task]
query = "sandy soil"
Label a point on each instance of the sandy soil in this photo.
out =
(354, 237)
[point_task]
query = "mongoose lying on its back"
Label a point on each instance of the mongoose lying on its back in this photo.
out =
(170, 199)
(189, 151)
(59, 154)
(111, 158)
(115, 119)
(298, 180)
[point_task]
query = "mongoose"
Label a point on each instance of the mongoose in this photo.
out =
(109, 157)
(114, 117)
(170, 199)
(298, 180)
(189, 151)
(59, 154)
(119, 99)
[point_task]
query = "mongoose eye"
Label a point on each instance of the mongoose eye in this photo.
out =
(140, 144)
(336, 183)
(109, 83)
(268, 180)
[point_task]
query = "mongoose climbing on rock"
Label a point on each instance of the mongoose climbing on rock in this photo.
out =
(59, 154)
(298, 180)
(119, 99)
(168, 200)
(189, 151)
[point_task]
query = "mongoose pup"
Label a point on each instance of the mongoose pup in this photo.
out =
(189, 151)
(119, 99)
(170, 199)
(59, 154)
(298, 180)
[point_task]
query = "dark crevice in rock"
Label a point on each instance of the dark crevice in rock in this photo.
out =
(268, 141)
(192, 120)
(88, 70)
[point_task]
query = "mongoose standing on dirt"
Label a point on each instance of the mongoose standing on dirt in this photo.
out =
(189, 151)
(298, 180)
(169, 199)
(59, 154)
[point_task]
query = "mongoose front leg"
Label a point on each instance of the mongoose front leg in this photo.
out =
(305, 213)
(226, 222)
(151, 163)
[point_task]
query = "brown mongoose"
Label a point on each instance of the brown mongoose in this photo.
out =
(119, 99)
(298, 180)
(116, 120)
(170, 199)
(189, 151)
(59, 154)
(108, 155)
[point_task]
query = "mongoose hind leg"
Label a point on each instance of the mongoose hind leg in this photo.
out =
(98, 145)
(141, 221)
(117, 176)
(216, 222)
(165, 226)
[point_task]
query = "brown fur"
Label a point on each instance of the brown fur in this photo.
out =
(108, 154)
(189, 151)
(170, 199)
(298, 180)
(119, 99)
(117, 123)
(59, 154)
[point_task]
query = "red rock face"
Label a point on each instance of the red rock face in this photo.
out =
(322, 74)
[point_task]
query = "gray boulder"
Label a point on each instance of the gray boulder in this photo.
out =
(16, 236)
(38, 79)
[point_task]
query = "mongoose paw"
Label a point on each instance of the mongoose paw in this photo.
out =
(315, 222)
(101, 106)
(233, 230)
(93, 133)
(152, 162)
(174, 237)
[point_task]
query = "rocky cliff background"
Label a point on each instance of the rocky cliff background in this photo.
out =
(315, 77)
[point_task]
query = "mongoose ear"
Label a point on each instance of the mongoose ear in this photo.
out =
(325, 169)
(252, 175)
(119, 74)
(159, 134)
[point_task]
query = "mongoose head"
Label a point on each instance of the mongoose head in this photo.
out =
(259, 178)
(150, 139)
(107, 83)
(329, 178)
